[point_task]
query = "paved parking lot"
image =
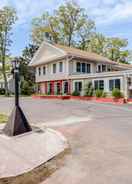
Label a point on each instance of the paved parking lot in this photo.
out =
(100, 136)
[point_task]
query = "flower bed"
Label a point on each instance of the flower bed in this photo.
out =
(67, 97)
(51, 97)
(107, 100)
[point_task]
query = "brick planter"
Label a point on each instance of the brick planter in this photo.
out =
(51, 97)
(67, 97)
(107, 100)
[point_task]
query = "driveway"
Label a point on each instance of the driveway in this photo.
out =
(100, 136)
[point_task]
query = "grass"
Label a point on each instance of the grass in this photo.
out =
(3, 118)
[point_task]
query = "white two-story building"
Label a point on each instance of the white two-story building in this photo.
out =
(62, 70)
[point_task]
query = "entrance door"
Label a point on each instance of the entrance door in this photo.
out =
(65, 87)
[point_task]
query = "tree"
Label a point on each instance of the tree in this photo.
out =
(28, 73)
(97, 44)
(44, 24)
(85, 33)
(115, 50)
(69, 25)
(7, 19)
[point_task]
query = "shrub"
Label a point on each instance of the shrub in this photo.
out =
(26, 88)
(2, 91)
(98, 93)
(75, 93)
(104, 94)
(117, 93)
(89, 90)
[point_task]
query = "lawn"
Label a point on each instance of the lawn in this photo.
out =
(3, 118)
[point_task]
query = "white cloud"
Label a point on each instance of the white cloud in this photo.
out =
(103, 11)
(118, 11)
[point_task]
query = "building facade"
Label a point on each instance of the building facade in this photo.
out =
(63, 70)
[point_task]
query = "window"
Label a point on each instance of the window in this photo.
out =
(60, 67)
(88, 68)
(39, 71)
(44, 70)
(65, 87)
(99, 68)
(103, 68)
(54, 68)
(78, 86)
(78, 67)
(115, 83)
(99, 84)
(83, 67)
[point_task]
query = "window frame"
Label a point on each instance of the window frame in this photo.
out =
(98, 85)
(61, 67)
(54, 68)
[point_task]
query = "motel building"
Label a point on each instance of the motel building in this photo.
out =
(63, 70)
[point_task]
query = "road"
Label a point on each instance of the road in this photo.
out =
(100, 137)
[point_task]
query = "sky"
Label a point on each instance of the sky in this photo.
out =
(113, 18)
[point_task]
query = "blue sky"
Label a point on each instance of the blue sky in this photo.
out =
(112, 18)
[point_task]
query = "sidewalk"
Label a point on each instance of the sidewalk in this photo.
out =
(23, 153)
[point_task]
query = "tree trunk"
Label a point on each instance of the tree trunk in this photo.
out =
(5, 78)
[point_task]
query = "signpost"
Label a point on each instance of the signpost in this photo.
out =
(17, 123)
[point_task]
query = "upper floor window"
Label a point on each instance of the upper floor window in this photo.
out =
(39, 70)
(78, 67)
(44, 70)
(54, 68)
(101, 68)
(83, 67)
(61, 67)
(114, 83)
(99, 84)
(88, 68)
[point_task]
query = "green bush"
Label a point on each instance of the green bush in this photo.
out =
(2, 91)
(89, 90)
(104, 95)
(27, 88)
(99, 93)
(117, 93)
(75, 93)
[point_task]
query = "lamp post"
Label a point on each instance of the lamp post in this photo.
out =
(17, 123)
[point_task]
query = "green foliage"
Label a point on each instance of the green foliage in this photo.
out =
(99, 93)
(2, 91)
(117, 93)
(89, 90)
(27, 88)
(7, 19)
(3, 118)
(67, 23)
(104, 95)
(75, 93)
(70, 25)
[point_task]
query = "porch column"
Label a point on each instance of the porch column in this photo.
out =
(69, 87)
(126, 87)
(61, 86)
(46, 88)
(52, 87)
